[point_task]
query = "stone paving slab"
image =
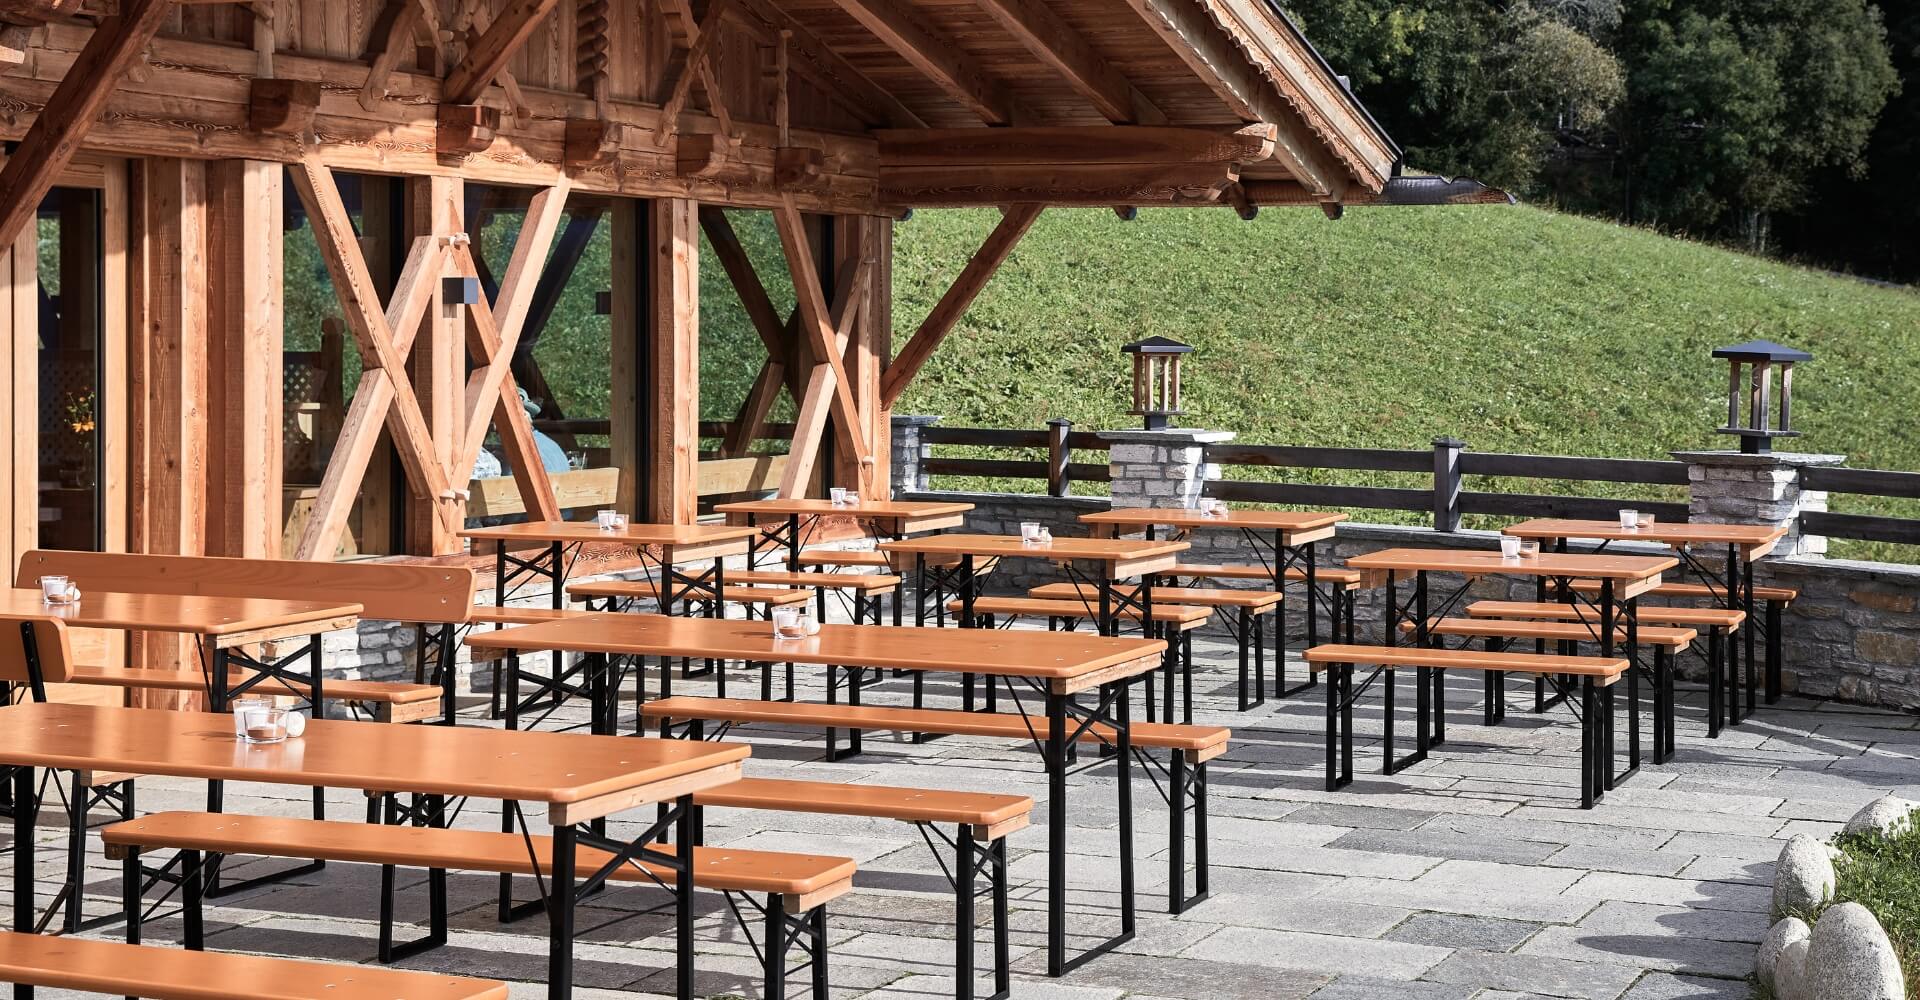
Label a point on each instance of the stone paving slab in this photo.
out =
(1472, 876)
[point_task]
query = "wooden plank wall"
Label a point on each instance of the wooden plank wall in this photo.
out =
(247, 332)
(19, 333)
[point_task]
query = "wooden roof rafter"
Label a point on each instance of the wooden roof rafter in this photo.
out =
(489, 53)
(834, 75)
(1055, 42)
(939, 59)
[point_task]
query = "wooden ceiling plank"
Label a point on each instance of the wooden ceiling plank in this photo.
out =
(62, 124)
(489, 53)
(1055, 42)
(937, 57)
(952, 305)
(1073, 144)
(837, 78)
(1097, 185)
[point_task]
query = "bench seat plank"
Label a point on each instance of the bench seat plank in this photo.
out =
(864, 582)
(1352, 579)
(648, 590)
(1467, 659)
(463, 850)
(911, 805)
(1205, 741)
(370, 692)
(1783, 595)
(69, 963)
(844, 557)
(1648, 615)
(1498, 628)
(1257, 601)
(1180, 615)
(486, 615)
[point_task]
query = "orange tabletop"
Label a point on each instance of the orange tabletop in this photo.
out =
(1638, 572)
(904, 515)
(1067, 661)
(1295, 527)
(226, 621)
(691, 541)
(559, 769)
(1753, 540)
(1122, 557)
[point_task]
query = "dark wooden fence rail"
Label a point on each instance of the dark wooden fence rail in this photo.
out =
(1059, 440)
(1865, 482)
(1448, 462)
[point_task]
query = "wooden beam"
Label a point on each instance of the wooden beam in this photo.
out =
(751, 419)
(493, 331)
(819, 324)
(1055, 42)
(20, 377)
(401, 18)
(1073, 145)
(62, 124)
(517, 442)
(247, 333)
(705, 36)
(282, 107)
(433, 208)
(937, 57)
(626, 336)
(952, 305)
(746, 281)
(857, 243)
(808, 427)
(674, 347)
(1096, 185)
(489, 53)
(837, 78)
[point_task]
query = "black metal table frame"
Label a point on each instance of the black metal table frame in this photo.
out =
(1277, 557)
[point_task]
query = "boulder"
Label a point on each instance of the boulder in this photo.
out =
(1885, 814)
(1803, 877)
(1778, 938)
(1850, 958)
(1790, 973)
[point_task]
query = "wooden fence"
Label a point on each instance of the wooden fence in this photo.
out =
(1058, 470)
(1864, 482)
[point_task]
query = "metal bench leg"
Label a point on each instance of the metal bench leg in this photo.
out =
(1775, 642)
(963, 922)
(1186, 681)
(1715, 652)
(130, 901)
(773, 947)
(1240, 636)
(1589, 743)
(1186, 790)
(192, 917)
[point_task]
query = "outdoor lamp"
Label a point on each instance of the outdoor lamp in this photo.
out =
(1759, 357)
(1156, 379)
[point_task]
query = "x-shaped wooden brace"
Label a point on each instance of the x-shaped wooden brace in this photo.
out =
(384, 339)
(491, 340)
(701, 38)
(827, 331)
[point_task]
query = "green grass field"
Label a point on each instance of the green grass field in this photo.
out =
(1514, 329)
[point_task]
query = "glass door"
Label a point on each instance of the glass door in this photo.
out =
(70, 372)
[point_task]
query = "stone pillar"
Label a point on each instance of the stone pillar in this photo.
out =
(1164, 468)
(909, 453)
(1728, 487)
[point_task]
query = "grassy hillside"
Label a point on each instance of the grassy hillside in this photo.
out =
(1515, 329)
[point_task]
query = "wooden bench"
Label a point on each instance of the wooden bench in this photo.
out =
(981, 821)
(1189, 749)
(1777, 600)
(1500, 634)
(427, 596)
(797, 886)
(1178, 621)
(864, 590)
(1597, 676)
(1249, 607)
(1722, 626)
(624, 592)
(108, 967)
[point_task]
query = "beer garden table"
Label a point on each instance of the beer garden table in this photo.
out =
(1622, 580)
(1057, 665)
(1745, 545)
(1280, 539)
(799, 518)
(579, 778)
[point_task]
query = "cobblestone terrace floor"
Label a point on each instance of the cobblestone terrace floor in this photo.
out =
(1473, 875)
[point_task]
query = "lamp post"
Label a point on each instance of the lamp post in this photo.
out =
(1759, 358)
(1156, 379)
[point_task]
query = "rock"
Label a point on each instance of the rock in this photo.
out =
(1850, 958)
(1778, 938)
(1790, 973)
(1885, 814)
(1803, 877)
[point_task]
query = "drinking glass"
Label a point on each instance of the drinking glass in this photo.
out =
(58, 590)
(264, 723)
(1029, 531)
(1629, 519)
(1509, 547)
(1529, 548)
(786, 624)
